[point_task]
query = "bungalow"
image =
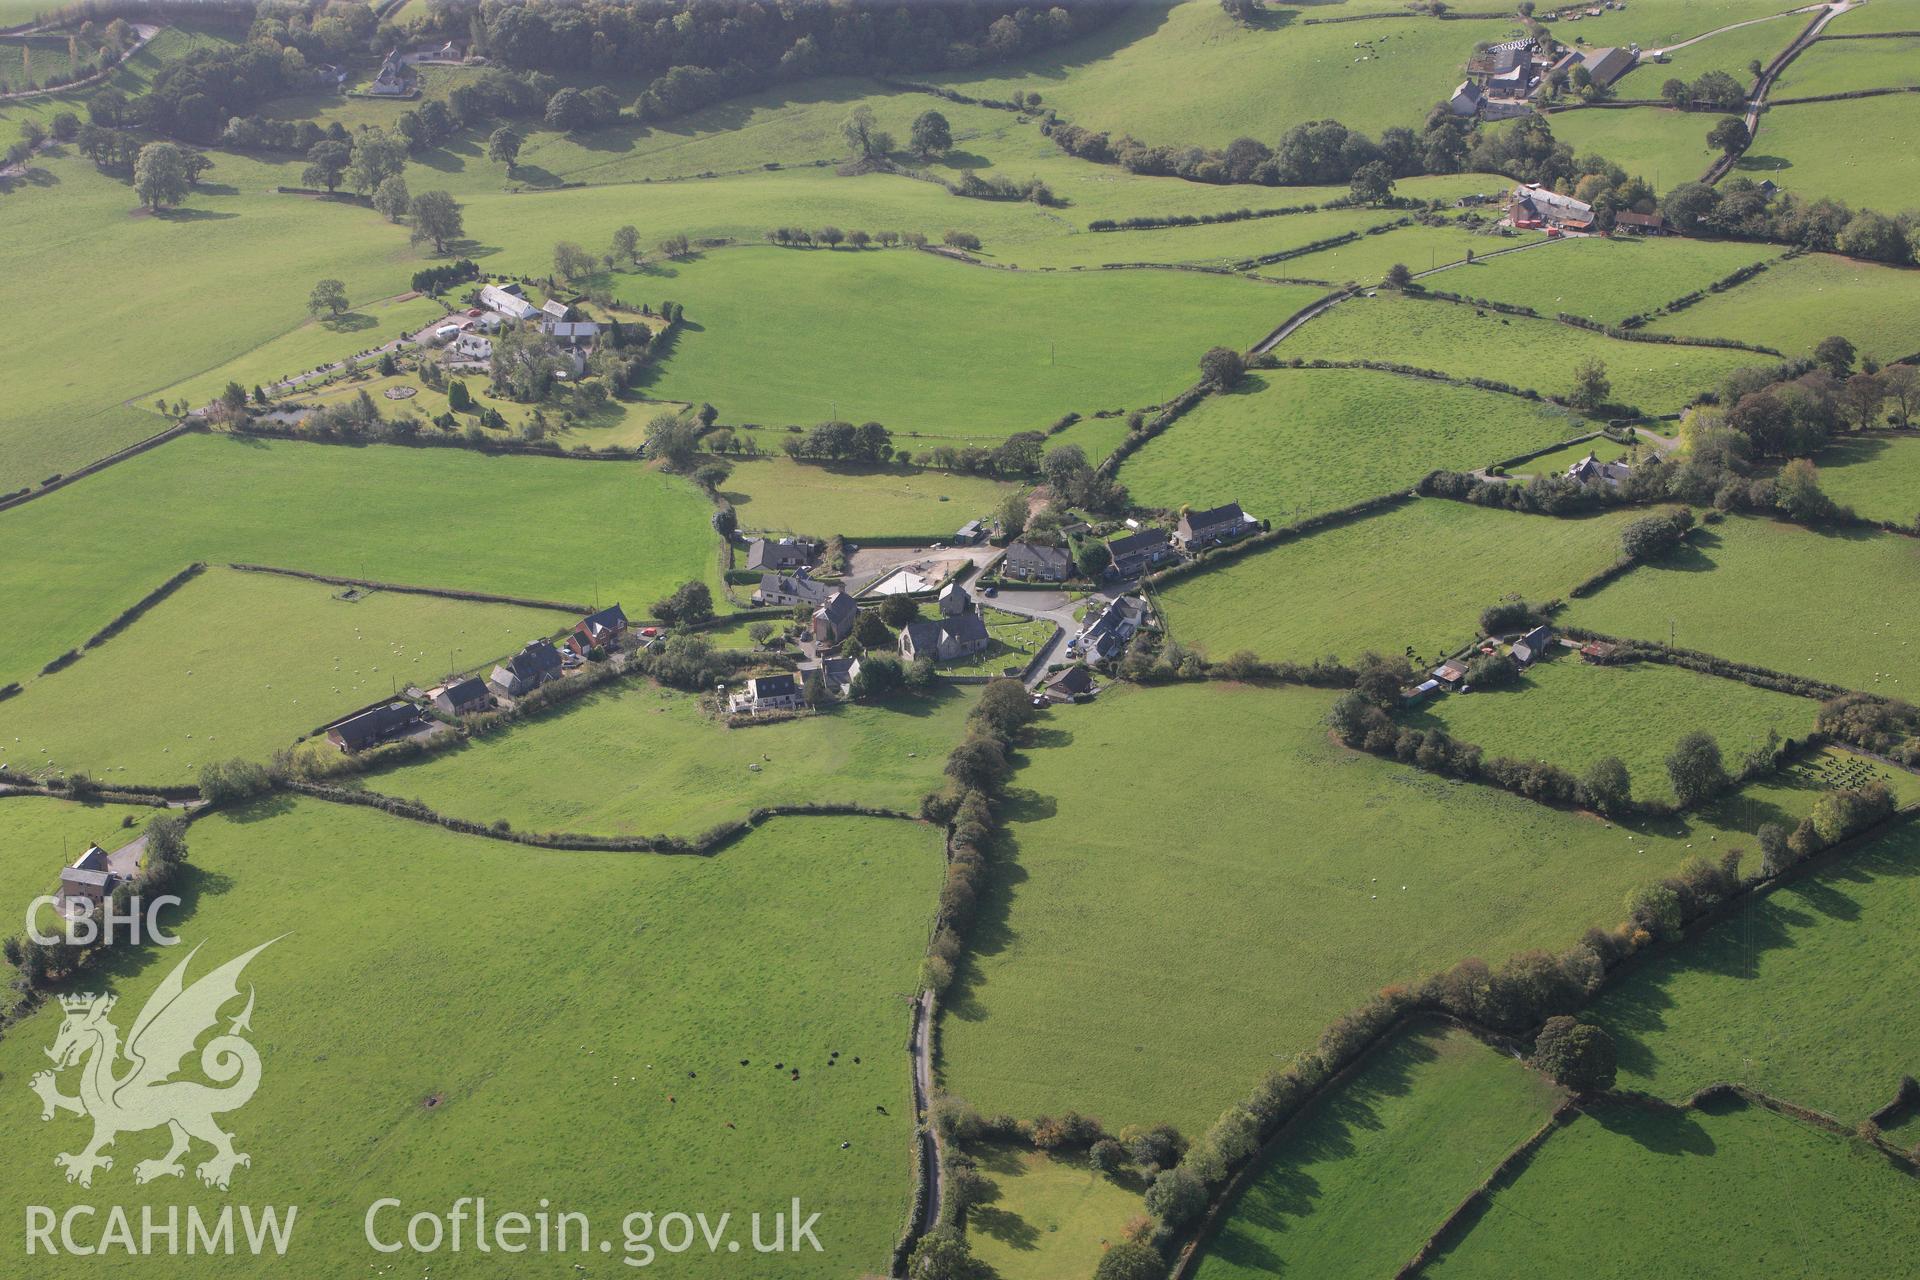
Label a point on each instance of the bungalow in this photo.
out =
(969, 533)
(600, 630)
(769, 693)
(944, 639)
(954, 600)
(1199, 530)
(781, 555)
(1590, 470)
(836, 675)
(1107, 636)
(1529, 649)
(464, 698)
(473, 346)
(1071, 685)
(1036, 563)
(91, 877)
(1138, 552)
(1641, 224)
(791, 588)
(371, 728)
(528, 669)
(508, 301)
(395, 77)
(834, 620)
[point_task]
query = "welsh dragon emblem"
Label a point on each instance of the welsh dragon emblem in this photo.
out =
(131, 1088)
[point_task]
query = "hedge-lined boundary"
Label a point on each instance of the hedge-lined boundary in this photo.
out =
(1365, 508)
(1845, 96)
(1708, 664)
(134, 450)
(1504, 1173)
(12, 785)
(1592, 326)
(132, 612)
(445, 593)
(1316, 246)
(1724, 283)
(506, 448)
(1431, 375)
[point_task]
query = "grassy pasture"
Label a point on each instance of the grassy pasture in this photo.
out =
(1835, 149)
(424, 517)
(1557, 462)
(1664, 146)
(1292, 442)
(1050, 1218)
(438, 1006)
(1607, 280)
(1377, 1164)
(1730, 51)
(1879, 478)
(1702, 1191)
(131, 77)
(1802, 994)
(1841, 66)
(644, 760)
(1793, 305)
(779, 493)
(1418, 248)
(1733, 591)
(1277, 834)
(755, 347)
(1540, 354)
(1657, 24)
(22, 60)
(1414, 577)
(1573, 713)
(1882, 15)
(41, 834)
(209, 674)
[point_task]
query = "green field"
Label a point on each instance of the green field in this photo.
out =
(1050, 1217)
(423, 517)
(1287, 443)
(1793, 305)
(1414, 577)
(1877, 477)
(1418, 248)
(41, 834)
(1733, 52)
(644, 760)
(1572, 713)
(1664, 146)
(1841, 66)
(1655, 24)
(1704, 1192)
(1557, 462)
(911, 333)
(1607, 280)
(1728, 590)
(241, 664)
(441, 1008)
(1368, 1173)
(35, 60)
(778, 493)
(1817, 149)
(1272, 833)
(1881, 15)
(1802, 994)
(1539, 355)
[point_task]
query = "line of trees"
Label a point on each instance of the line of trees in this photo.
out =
(1741, 209)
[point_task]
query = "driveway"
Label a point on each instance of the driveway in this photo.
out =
(1047, 606)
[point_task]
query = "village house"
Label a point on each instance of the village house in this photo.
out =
(781, 555)
(1467, 99)
(954, 600)
(1531, 647)
(791, 588)
(1107, 636)
(473, 346)
(528, 669)
(836, 675)
(395, 79)
(371, 728)
(508, 301)
(762, 694)
(834, 621)
(1590, 470)
(89, 879)
(571, 333)
(1071, 685)
(600, 630)
(1033, 562)
(1641, 224)
(462, 698)
(555, 310)
(1532, 206)
(1138, 552)
(1199, 530)
(944, 639)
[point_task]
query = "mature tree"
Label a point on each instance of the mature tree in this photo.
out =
(1222, 367)
(1091, 558)
(524, 363)
(690, 602)
(977, 764)
(1398, 277)
(898, 610)
(160, 175)
(1864, 396)
(1129, 1259)
(503, 146)
(1579, 1056)
(952, 238)
(326, 164)
(392, 199)
(437, 217)
(1730, 136)
(1591, 386)
(1176, 1197)
(1775, 856)
(931, 135)
(675, 439)
(871, 631)
(1061, 464)
(329, 296)
(377, 156)
(568, 110)
(1608, 786)
(1902, 385)
(868, 141)
(1695, 769)
(626, 243)
(1835, 355)
(1013, 514)
(570, 260)
(1372, 183)
(830, 236)
(942, 1254)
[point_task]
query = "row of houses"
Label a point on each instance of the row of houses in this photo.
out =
(1141, 551)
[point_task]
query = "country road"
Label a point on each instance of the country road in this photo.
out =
(931, 1167)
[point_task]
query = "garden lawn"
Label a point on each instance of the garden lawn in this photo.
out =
(1701, 1191)
(1804, 993)
(913, 334)
(1842, 66)
(1272, 859)
(637, 759)
(1287, 443)
(1364, 1176)
(857, 501)
(445, 1015)
(438, 517)
(1557, 462)
(1572, 713)
(241, 664)
(1416, 576)
(1840, 607)
(1879, 478)
(1793, 305)
(41, 834)
(1662, 145)
(1837, 149)
(1538, 355)
(1051, 1216)
(1608, 280)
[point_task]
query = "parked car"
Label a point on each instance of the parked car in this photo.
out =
(991, 592)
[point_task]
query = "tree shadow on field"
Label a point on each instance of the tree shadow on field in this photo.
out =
(1691, 556)
(1663, 1132)
(992, 931)
(1008, 1228)
(1762, 164)
(349, 322)
(194, 215)
(533, 175)
(217, 189)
